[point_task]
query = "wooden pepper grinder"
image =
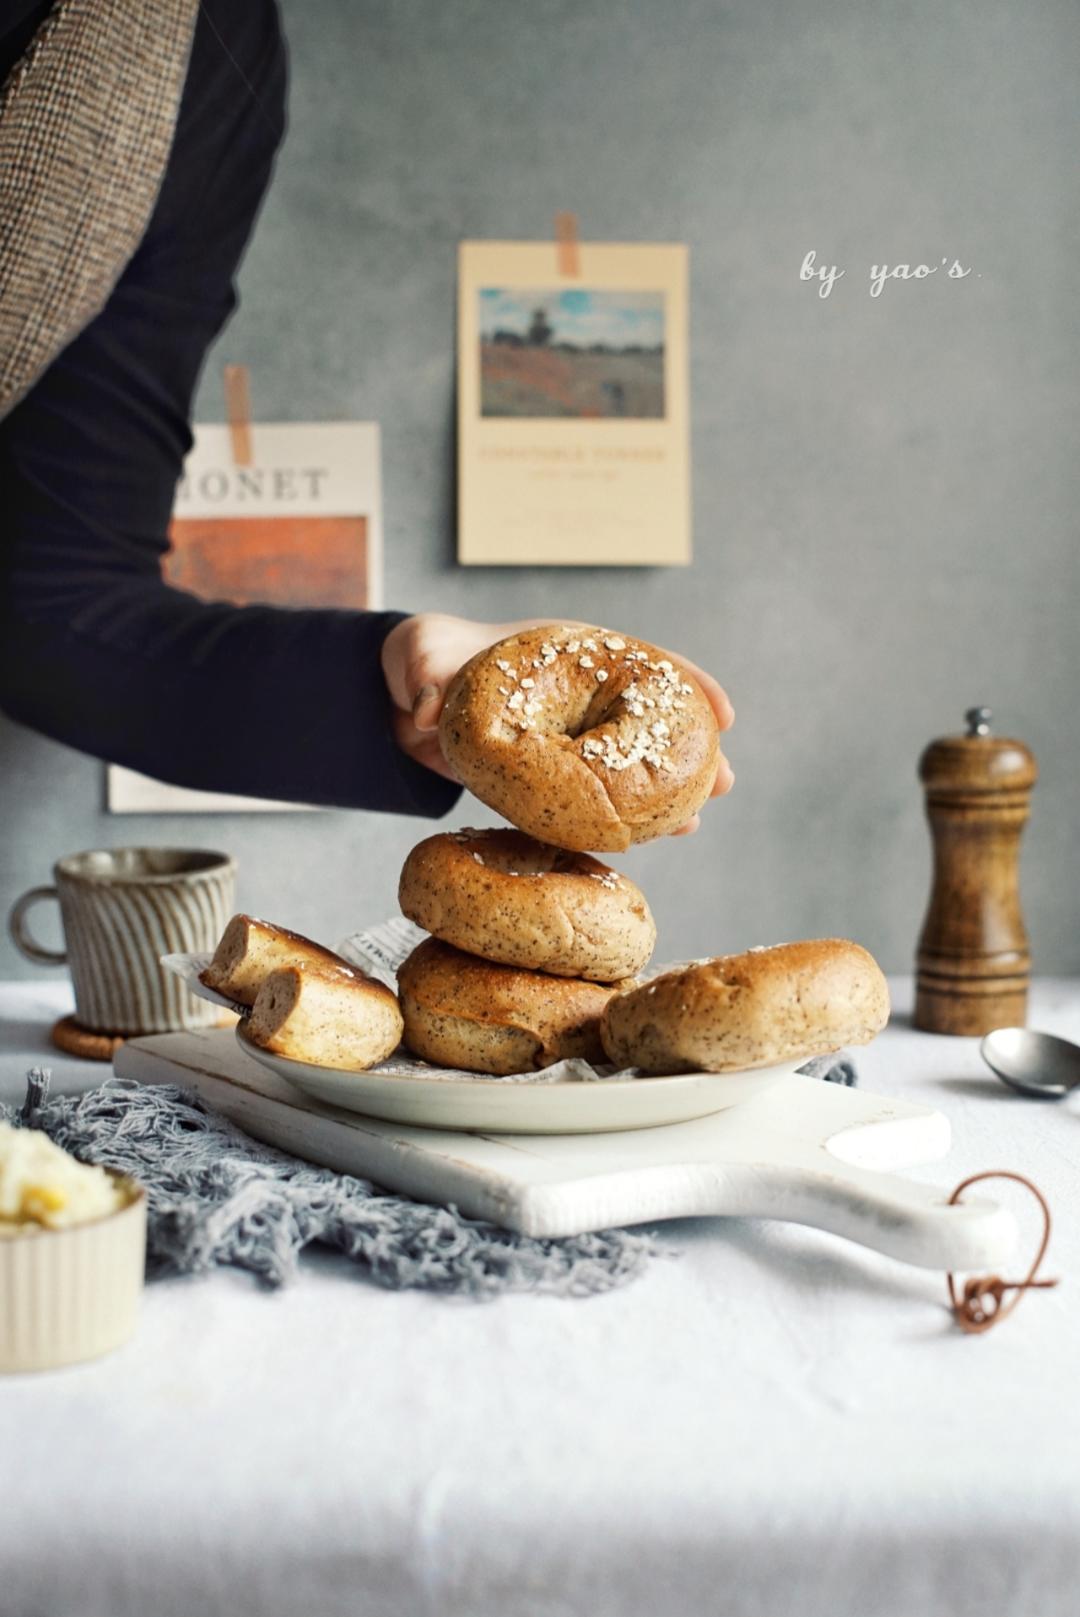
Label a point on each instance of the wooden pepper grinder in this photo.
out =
(973, 963)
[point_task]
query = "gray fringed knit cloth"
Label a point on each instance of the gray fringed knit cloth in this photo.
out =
(217, 1197)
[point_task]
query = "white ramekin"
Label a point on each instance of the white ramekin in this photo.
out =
(72, 1294)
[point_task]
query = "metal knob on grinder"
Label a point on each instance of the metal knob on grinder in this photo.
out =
(973, 965)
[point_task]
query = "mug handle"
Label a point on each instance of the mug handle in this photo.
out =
(21, 937)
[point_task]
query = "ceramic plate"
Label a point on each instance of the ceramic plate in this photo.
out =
(496, 1106)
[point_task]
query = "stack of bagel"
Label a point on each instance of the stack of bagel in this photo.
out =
(585, 740)
(528, 944)
(589, 740)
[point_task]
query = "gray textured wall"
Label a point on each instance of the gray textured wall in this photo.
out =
(885, 489)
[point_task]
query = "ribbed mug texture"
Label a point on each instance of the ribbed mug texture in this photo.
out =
(117, 927)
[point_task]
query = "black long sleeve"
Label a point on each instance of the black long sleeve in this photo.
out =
(95, 649)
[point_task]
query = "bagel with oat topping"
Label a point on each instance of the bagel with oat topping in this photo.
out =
(468, 1013)
(508, 898)
(788, 1002)
(581, 737)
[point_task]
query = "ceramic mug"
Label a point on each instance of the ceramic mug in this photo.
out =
(122, 909)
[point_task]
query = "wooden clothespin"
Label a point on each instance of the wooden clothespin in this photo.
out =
(238, 410)
(568, 258)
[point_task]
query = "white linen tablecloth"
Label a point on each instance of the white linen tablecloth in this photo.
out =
(773, 1421)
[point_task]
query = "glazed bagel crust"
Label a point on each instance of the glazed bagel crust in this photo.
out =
(750, 1010)
(334, 1019)
(581, 737)
(468, 1013)
(501, 895)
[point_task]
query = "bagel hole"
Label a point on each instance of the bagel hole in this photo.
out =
(511, 853)
(584, 710)
(601, 706)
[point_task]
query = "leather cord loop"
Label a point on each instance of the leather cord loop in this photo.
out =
(981, 1302)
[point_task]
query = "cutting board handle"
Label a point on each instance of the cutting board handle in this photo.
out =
(912, 1222)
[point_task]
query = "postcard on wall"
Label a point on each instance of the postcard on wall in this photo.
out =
(299, 527)
(573, 429)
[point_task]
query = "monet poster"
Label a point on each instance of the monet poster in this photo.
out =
(572, 397)
(299, 527)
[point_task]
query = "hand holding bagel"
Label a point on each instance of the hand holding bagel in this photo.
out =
(422, 655)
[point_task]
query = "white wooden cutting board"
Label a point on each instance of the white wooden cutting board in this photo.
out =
(804, 1151)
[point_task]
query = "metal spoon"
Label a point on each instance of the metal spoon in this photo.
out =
(1033, 1063)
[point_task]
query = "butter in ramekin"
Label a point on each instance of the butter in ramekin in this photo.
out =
(42, 1187)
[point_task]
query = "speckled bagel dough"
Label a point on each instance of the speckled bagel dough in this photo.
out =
(508, 898)
(344, 1020)
(750, 1010)
(463, 1012)
(582, 737)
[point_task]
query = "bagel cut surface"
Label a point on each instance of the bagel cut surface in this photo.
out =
(249, 949)
(504, 896)
(463, 1012)
(788, 1002)
(582, 737)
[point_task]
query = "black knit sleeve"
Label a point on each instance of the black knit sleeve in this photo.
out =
(95, 650)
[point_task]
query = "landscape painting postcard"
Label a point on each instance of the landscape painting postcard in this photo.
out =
(299, 527)
(573, 428)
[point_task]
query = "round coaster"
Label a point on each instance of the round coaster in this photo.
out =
(76, 1040)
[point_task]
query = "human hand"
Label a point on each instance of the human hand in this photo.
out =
(720, 703)
(421, 655)
(419, 658)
